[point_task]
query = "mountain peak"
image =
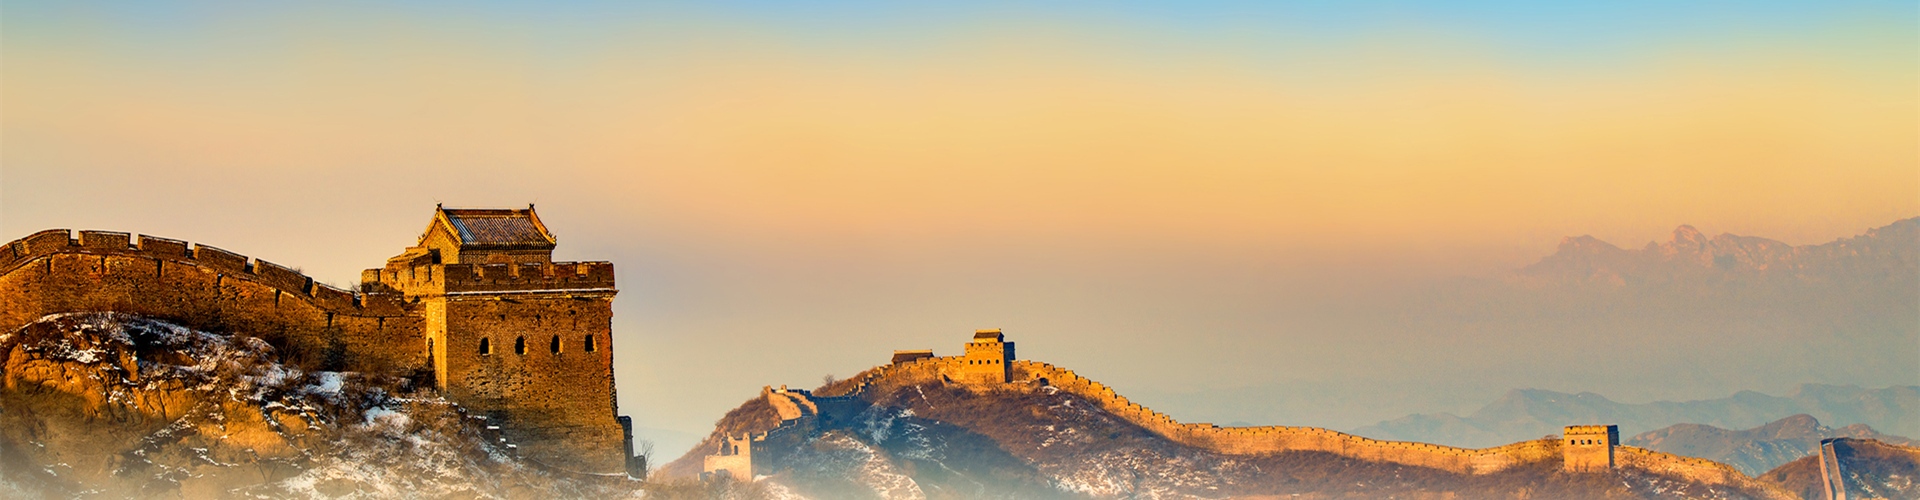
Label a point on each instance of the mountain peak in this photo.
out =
(1586, 244)
(1691, 259)
(1687, 233)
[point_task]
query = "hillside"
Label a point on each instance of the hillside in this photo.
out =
(913, 432)
(1873, 469)
(116, 405)
(1527, 413)
(1759, 449)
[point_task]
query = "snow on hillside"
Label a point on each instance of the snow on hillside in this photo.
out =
(117, 405)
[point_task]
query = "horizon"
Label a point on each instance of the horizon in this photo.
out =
(1192, 204)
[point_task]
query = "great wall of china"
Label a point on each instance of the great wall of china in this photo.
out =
(57, 271)
(377, 330)
(796, 406)
(510, 335)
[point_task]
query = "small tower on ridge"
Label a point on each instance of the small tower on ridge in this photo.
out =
(989, 358)
(1589, 448)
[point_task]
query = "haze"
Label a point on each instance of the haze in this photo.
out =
(1195, 205)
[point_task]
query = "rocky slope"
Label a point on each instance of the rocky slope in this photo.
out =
(933, 438)
(1529, 413)
(1759, 449)
(1873, 470)
(108, 405)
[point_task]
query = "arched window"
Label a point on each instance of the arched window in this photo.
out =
(485, 348)
(554, 345)
(520, 345)
(588, 343)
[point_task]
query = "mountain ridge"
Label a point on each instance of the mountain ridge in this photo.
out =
(1691, 256)
(1522, 413)
(1760, 449)
(891, 411)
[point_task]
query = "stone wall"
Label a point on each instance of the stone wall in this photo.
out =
(1693, 469)
(539, 377)
(312, 324)
(556, 400)
(1273, 439)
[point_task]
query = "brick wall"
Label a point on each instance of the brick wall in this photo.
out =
(313, 325)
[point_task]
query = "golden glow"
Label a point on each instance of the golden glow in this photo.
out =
(1007, 136)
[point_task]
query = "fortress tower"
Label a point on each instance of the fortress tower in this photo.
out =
(1589, 448)
(513, 335)
(989, 358)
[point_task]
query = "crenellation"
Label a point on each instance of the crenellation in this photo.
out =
(493, 273)
(10, 255)
(163, 247)
(220, 260)
(281, 276)
(527, 276)
(106, 240)
(333, 299)
(555, 397)
(48, 241)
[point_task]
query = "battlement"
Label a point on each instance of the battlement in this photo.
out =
(47, 243)
(911, 355)
(1573, 430)
(1275, 439)
(508, 333)
(455, 279)
(528, 276)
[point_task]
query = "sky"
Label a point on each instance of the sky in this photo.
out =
(1169, 197)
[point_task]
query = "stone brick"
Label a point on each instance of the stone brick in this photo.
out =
(555, 399)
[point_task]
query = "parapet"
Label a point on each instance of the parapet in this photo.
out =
(556, 276)
(53, 241)
(909, 356)
(106, 240)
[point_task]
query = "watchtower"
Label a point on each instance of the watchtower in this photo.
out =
(513, 335)
(735, 458)
(989, 358)
(1589, 448)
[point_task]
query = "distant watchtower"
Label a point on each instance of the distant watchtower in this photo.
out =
(513, 335)
(1589, 448)
(989, 358)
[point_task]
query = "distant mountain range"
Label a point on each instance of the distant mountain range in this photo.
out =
(1693, 261)
(1757, 450)
(1531, 413)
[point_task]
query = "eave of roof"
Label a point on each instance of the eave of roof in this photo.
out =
(496, 228)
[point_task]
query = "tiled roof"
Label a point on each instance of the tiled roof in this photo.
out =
(498, 227)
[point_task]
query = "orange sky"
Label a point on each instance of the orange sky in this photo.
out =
(1019, 130)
